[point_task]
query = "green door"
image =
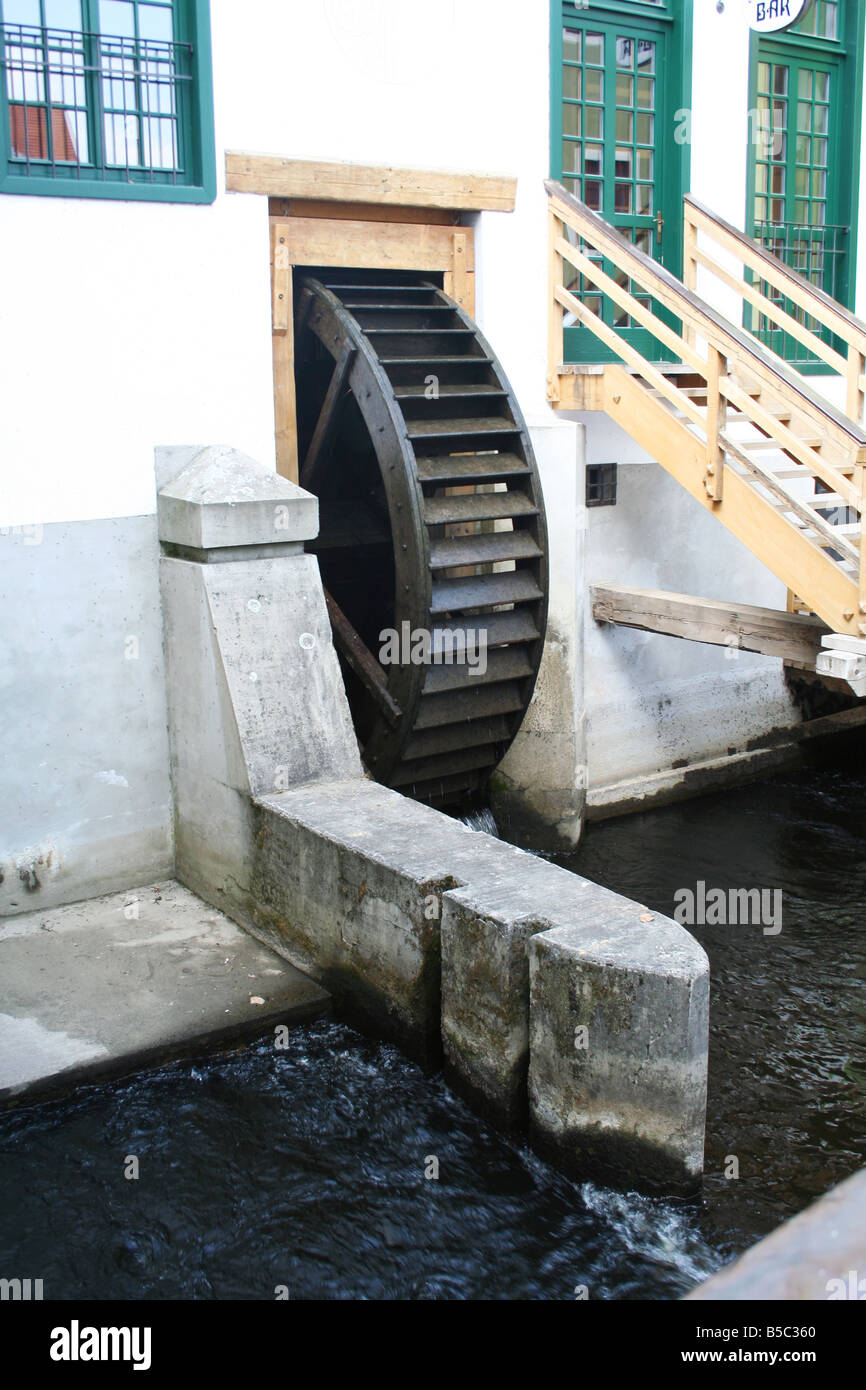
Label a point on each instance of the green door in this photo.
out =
(617, 89)
(805, 127)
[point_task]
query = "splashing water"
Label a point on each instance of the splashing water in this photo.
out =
(482, 820)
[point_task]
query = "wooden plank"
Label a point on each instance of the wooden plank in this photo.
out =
(324, 432)
(690, 267)
(283, 354)
(362, 661)
(579, 390)
(555, 331)
(373, 245)
(854, 368)
(716, 409)
(459, 274)
(798, 562)
(281, 274)
(363, 212)
(739, 626)
(280, 177)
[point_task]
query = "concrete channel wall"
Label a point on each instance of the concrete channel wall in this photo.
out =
(552, 1000)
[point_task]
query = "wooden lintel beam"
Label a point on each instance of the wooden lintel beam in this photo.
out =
(362, 661)
(739, 626)
(278, 177)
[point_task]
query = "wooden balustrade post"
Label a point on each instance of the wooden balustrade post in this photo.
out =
(716, 412)
(854, 380)
(690, 266)
(555, 334)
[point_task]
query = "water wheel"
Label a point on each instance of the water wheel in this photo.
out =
(431, 522)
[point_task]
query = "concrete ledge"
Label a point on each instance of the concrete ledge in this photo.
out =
(784, 748)
(349, 879)
(820, 1254)
(99, 988)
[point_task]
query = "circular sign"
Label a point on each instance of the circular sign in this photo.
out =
(767, 16)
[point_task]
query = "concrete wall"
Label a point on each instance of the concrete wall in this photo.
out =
(86, 803)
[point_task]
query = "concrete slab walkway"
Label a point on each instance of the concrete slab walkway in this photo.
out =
(103, 987)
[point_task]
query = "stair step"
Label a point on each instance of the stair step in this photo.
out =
(432, 360)
(828, 499)
(470, 734)
(479, 506)
(475, 703)
(374, 288)
(370, 307)
(452, 390)
(812, 440)
(478, 550)
(471, 424)
(423, 769)
(483, 590)
(468, 468)
(507, 663)
(515, 625)
(447, 791)
(420, 332)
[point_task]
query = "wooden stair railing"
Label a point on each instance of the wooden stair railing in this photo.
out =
(747, 436)
(796, 289)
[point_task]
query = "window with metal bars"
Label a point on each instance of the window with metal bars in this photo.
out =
(806, 86)
(107, 98)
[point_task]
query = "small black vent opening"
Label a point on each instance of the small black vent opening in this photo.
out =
(601, 485)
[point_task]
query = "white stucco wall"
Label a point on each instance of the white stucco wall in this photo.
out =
(129, 325)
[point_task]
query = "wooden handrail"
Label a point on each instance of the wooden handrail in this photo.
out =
(795, 288)
(737, 371)
(707, 322)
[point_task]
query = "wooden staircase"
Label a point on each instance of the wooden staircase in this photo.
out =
(752, 441)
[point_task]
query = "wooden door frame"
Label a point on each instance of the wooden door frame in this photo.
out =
(367, 218)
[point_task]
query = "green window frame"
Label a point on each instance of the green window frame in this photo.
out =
(805, 97)
(107, 99)
(617, 97)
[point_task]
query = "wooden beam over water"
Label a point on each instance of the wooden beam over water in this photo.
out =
(794, 637)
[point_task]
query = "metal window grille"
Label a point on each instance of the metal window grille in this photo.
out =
(96, 106)
(601, 485)
(818, 254)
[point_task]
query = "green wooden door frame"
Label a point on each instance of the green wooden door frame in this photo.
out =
(669, 23)
(843, 58)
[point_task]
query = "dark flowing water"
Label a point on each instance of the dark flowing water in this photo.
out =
(304, 1169)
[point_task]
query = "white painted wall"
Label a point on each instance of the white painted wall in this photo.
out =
(129, 325)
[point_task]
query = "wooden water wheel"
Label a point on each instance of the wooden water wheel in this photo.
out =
(431, 522)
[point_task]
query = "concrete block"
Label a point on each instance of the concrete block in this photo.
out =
(486, 930)
(625, 1099)
(350, 880)
(223, 498)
